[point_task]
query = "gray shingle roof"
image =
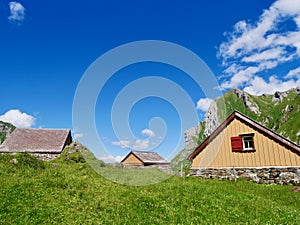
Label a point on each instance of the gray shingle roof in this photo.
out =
(148, 157)
(37, 140)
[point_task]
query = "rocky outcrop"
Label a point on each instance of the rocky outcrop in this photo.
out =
(5, 130)
(191, 142)
(211, 119)
(279, 96)
(191, 136)
(252, 106)
(211, 122)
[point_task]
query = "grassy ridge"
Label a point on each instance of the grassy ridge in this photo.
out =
(281, 117)
(60, 192)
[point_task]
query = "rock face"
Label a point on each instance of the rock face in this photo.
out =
(191, 136)
(5, 130)
(279, 96)
(211, 119)
(211, 122)
(252, 106)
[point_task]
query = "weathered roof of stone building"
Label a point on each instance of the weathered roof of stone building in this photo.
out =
(37, 140)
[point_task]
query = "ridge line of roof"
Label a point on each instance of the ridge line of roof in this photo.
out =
(62, 129)
(144, 151)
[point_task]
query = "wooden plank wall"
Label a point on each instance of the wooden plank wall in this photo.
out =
(268, 152)
(132, 160)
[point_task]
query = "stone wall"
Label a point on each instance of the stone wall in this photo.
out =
(40, 156)
(267, 175)
(45, 156)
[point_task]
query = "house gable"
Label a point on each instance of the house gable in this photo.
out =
(270, 148)
(143, 158)
(131, 159)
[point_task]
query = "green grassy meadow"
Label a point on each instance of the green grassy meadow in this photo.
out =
(70, 192)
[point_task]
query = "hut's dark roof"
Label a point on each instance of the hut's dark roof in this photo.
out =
(36, 140)
(148, 157)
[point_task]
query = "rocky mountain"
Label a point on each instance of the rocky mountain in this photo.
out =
(5, 129)
(279, 112)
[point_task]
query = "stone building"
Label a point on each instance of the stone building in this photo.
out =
(45, 144)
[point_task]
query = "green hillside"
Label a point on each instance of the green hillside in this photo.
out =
(68, 191)
(281, 116)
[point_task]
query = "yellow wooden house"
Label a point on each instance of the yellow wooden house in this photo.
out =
(242, 142)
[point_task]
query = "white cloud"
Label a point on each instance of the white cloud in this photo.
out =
(138, 143)
(294, 73)
(232, 69)
(118, 158)
(288, 6)
(270, 54)
(18, 119)
(148, 132)
(17, 12)
(122, 144)
(141, 144)
(254, 48)
(78, 135)
(259, 86)
(240, 77)
(203, 104)
(112, 159)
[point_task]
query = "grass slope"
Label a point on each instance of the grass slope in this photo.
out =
(68, 191)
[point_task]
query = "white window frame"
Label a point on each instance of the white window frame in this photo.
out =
(250, 139)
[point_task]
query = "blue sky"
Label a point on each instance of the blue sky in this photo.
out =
(47, 46)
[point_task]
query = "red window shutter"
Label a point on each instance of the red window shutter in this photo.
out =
(237, 144)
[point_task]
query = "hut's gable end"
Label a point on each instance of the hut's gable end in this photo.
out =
(225, 150)
(143, 158)
(131, 159)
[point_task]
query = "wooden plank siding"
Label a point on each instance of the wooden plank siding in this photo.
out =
(132, 160)
(269, 152)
